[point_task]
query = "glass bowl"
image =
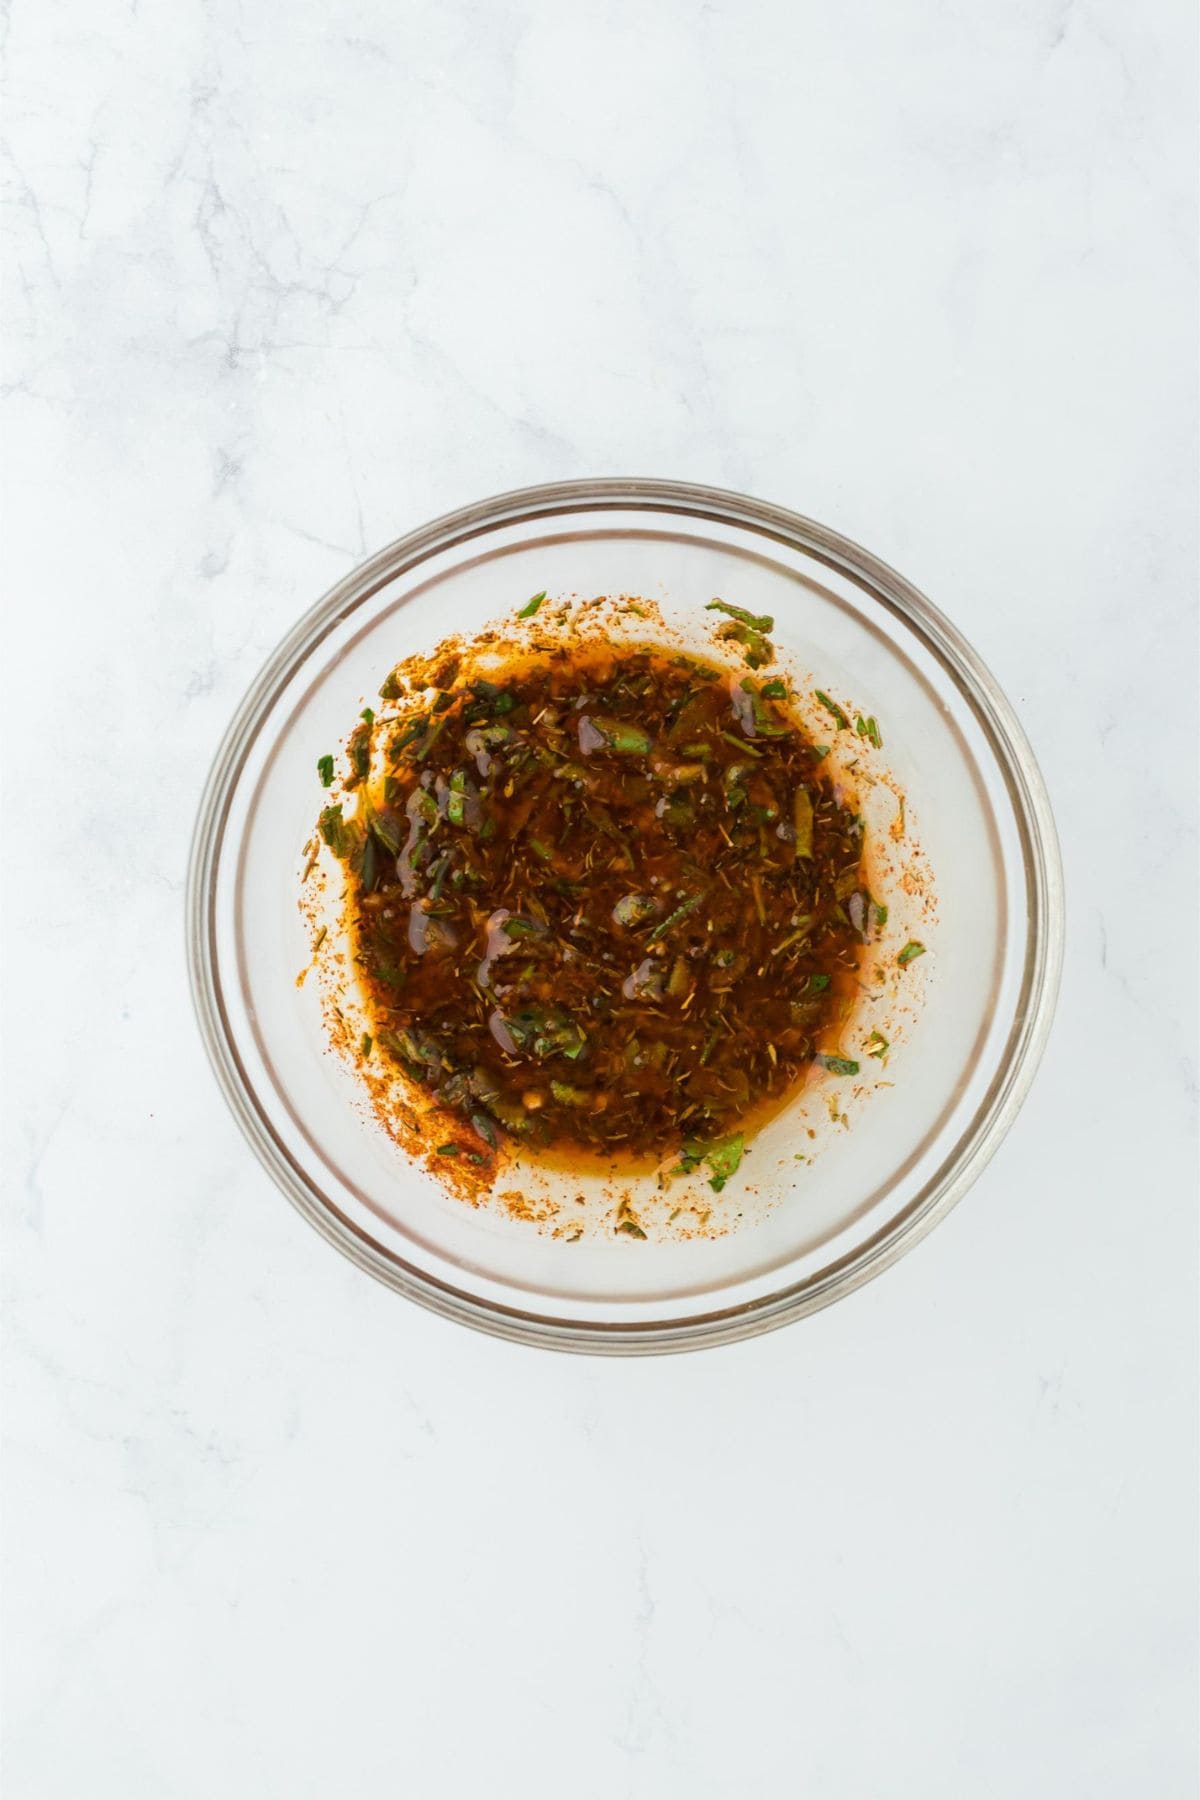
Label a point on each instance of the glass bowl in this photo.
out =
(981, 998)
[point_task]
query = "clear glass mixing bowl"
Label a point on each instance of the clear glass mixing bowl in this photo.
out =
(988, 982)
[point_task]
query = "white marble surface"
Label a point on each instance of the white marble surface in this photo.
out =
(283, 283)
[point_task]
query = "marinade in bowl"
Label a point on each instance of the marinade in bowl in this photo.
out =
(605, 899)
(734, 1059)
(607, 906)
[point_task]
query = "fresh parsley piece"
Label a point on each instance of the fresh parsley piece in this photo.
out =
(723, 1160)
(723, 1157)
(332, 827)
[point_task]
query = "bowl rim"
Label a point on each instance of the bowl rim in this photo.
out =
(1040, 976)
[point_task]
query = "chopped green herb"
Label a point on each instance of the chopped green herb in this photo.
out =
(359, 750)
(544, 1031)
(723, 1160)
(431, 737)
(759, 650)
(426, 807)
(910, 952)
(833, 709)
(531, 606)
(368, 714)
(332, 827)
(756, 621)
(325, 770)
(437, 876)
(766, 723)
(837, 1065)
(456, 799)
(877, 1044)
(492, 698)
(386, 831)
(623, 737)
(516, 928)
(450, 1150)
(682, 911)
(407, 735)
(773, 690)
(723, 1157)
(366, 1044)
